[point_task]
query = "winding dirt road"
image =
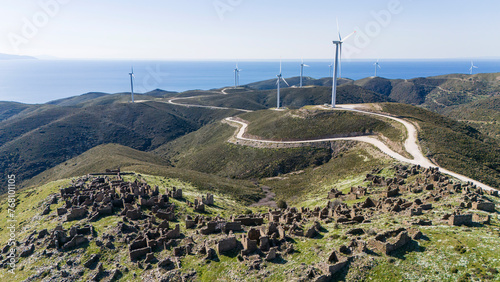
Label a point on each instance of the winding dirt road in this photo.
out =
(411, 144)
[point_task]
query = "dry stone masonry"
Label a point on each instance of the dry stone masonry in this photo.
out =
(157, 235)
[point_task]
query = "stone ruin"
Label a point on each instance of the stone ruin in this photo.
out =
(147, 216)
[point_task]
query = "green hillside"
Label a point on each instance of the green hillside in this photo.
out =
(293, 98)
(9, 109)
(113, 156)
(295, 81)
(436, 93)
(208, 151)
(49, 135)
(454, 145)
(483, 115)
(306, 124)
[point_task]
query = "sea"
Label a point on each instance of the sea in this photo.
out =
(41, 81)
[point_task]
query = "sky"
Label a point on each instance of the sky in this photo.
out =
(249, 29)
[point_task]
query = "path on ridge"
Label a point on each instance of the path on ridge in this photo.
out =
(411, 144)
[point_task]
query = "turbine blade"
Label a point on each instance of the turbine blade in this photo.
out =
(338, 29)
(345, 38)
(285, 81)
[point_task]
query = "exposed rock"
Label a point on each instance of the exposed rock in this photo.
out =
(92, 260)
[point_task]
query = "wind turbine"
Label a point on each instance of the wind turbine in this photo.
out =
(338, 54)
(237, 76)
(377, 66)
(132, 83)
(472, 67)
(302, 65)
(331, 69)
(280, 77)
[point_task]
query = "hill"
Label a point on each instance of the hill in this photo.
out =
(73, 101)
(207, 150)
(436, 93)
(113, 156)
(376, 234)
(452, 144)
(307, 124)
(295, 82)
(49, 135)
(10, 109)
(293, 98)
(483, 115)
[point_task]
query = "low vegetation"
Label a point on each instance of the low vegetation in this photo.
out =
(454, 145)
(208, 151)
(116, 156)
(40, 139)
(306, 124)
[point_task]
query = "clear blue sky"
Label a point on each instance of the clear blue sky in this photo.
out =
(249, 29)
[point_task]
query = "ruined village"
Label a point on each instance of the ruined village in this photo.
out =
(158, 237)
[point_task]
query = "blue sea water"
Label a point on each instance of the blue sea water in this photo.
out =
(40, 81)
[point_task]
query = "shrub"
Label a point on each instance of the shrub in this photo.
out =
(281, 204)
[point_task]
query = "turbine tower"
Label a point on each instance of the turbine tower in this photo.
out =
(236, 76)
(280, 77)
(331, 69)
(302, 65)
(132, 83)
(472, 67)
(377, 66)
(338, 55)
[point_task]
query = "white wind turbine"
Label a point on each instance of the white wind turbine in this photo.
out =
(338, 54)
(472, 67)
(331, 69)
(132, 83)
(280, 77)
(302, 65)
(237, 76)
(377, 66)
